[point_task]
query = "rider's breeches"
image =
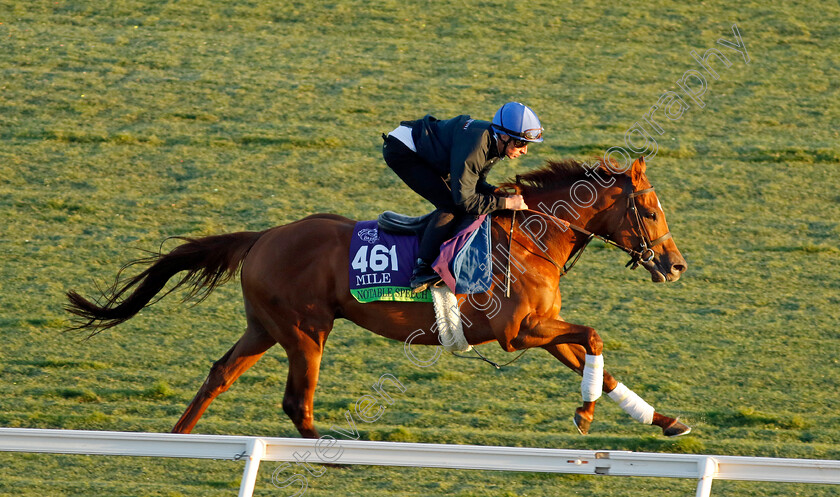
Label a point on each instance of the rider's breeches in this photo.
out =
(420, 177)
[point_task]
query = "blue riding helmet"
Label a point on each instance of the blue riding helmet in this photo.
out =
(518, 121)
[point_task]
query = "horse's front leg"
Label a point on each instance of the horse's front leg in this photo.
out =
(573, 356)
(552, 333)
(629, 401)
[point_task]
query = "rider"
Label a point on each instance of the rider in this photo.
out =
(447, 161)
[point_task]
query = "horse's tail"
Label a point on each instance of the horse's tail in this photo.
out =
(208, 261)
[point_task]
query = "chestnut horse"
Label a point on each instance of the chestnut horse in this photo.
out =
(295, 285)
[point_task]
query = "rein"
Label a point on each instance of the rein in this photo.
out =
(643, 254)
(488, 361)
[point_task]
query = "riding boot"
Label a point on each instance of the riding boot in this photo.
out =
(422, 276)
(440, 227)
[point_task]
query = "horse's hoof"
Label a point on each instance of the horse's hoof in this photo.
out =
(582, 424)
(676, 428)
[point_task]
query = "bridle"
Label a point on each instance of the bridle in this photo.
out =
(643, 254)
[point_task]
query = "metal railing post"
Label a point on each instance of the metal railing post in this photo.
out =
(254, 454)
(708, 470)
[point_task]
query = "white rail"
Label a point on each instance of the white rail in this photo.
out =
(252, 450)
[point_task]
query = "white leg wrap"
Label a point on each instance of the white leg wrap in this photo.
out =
(632, 404)
(448, 319)
(593, 378)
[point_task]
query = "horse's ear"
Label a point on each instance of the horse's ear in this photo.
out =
(638, 169)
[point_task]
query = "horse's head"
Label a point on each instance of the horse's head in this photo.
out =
(620, 207)
(636, 222)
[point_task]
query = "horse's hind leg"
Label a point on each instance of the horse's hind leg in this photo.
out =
(573, 356)
(248, 350)
(298, 401)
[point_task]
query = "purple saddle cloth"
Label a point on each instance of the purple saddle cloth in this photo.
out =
(381, 263)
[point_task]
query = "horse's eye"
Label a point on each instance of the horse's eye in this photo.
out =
(651, 215)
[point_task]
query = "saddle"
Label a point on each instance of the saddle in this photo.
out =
(465, 260)
(401, 224)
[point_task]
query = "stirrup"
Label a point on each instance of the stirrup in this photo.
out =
(422, 276)
(423, 282)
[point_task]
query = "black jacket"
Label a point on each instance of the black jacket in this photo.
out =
(462, 150)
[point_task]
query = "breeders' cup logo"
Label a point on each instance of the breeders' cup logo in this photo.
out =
(369, 235)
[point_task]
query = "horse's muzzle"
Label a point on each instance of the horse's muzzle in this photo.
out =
(666, 268)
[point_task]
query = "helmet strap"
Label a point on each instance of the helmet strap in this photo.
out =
(504, 142)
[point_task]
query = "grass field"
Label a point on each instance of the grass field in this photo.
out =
(126, 123)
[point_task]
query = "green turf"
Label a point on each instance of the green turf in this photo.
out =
(126, 123)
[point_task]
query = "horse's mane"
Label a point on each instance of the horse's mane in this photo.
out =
(556, 174)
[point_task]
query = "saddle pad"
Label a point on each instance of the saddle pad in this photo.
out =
(381, 265)
(465, 263)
